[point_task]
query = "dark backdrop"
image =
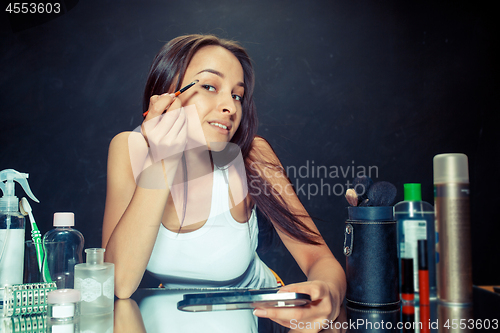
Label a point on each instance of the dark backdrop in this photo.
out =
(344, 84)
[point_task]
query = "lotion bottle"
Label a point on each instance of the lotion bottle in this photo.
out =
(12, 228)
(95, 280)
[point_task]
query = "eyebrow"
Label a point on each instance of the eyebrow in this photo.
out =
(213, 71)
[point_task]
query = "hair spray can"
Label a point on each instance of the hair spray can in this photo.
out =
(453, 246)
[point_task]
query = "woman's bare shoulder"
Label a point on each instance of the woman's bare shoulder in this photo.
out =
(123, 142)
(119, 150)
(120, 140)
(119, 161)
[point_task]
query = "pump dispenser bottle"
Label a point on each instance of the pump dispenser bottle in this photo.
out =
(95, 280)
(12, 228)
(416, 221)
(451, 197)
(63, 247)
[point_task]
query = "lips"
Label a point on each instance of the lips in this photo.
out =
(223, 125)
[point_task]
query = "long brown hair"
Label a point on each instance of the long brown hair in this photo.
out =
(171, 64)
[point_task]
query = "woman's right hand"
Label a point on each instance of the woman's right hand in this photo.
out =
(157, 146)
(165, 127)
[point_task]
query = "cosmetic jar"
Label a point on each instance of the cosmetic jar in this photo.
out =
(63, 304)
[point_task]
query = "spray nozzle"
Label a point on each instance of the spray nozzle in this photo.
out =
(9, 201)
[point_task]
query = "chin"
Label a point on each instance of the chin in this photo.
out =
(217, 146)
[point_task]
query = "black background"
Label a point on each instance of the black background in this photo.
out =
(386, 84)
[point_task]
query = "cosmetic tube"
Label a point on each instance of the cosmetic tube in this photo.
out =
(453, 247)
(423, 273)
(407, 290)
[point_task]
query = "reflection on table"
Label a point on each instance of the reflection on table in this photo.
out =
(155, 310)
(41, 324)
(159, 310)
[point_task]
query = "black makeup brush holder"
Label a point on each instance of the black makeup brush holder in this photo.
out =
(372, 320)
(370, 247)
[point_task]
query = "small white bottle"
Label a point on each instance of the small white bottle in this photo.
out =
(95, 280)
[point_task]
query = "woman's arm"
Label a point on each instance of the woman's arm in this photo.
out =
(134, 210)
(132, 218)
(326, 283)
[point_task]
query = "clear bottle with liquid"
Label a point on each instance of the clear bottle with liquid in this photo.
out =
(416, 221)
(95, 280)
(63, 247)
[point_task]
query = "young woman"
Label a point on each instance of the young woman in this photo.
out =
(181, 199)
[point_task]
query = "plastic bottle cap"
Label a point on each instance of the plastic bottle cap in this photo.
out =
(413, 192)
(64, 219)
(451, 168)
(63, 296)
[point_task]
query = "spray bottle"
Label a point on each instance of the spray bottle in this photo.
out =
(12, 226)
(454, 259)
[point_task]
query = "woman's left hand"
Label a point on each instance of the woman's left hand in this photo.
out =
(310, 318)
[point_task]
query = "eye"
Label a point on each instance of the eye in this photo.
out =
(238, 98)
(208, 87)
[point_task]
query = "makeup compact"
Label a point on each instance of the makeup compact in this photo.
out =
(241, 299)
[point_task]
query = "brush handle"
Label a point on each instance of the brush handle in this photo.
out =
(45, 265)
(37, 241)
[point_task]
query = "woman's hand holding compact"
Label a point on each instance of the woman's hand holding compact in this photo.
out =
(310, 318)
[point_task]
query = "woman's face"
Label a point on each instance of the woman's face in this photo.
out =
(218, 96)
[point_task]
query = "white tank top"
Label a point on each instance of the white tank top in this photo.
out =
(220, 254)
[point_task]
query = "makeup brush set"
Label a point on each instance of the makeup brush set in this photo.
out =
(370, 245)
(365, 193)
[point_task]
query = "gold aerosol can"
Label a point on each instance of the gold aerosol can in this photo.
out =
(453, 244)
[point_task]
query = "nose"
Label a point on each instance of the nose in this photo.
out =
(227, 104)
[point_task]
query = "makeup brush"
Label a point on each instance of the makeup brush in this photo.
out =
(177, 93)
(361, 185)
(186, 87)
(381, 194)
(351, 197)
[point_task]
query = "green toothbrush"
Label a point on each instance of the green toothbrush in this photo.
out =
(25, 209)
